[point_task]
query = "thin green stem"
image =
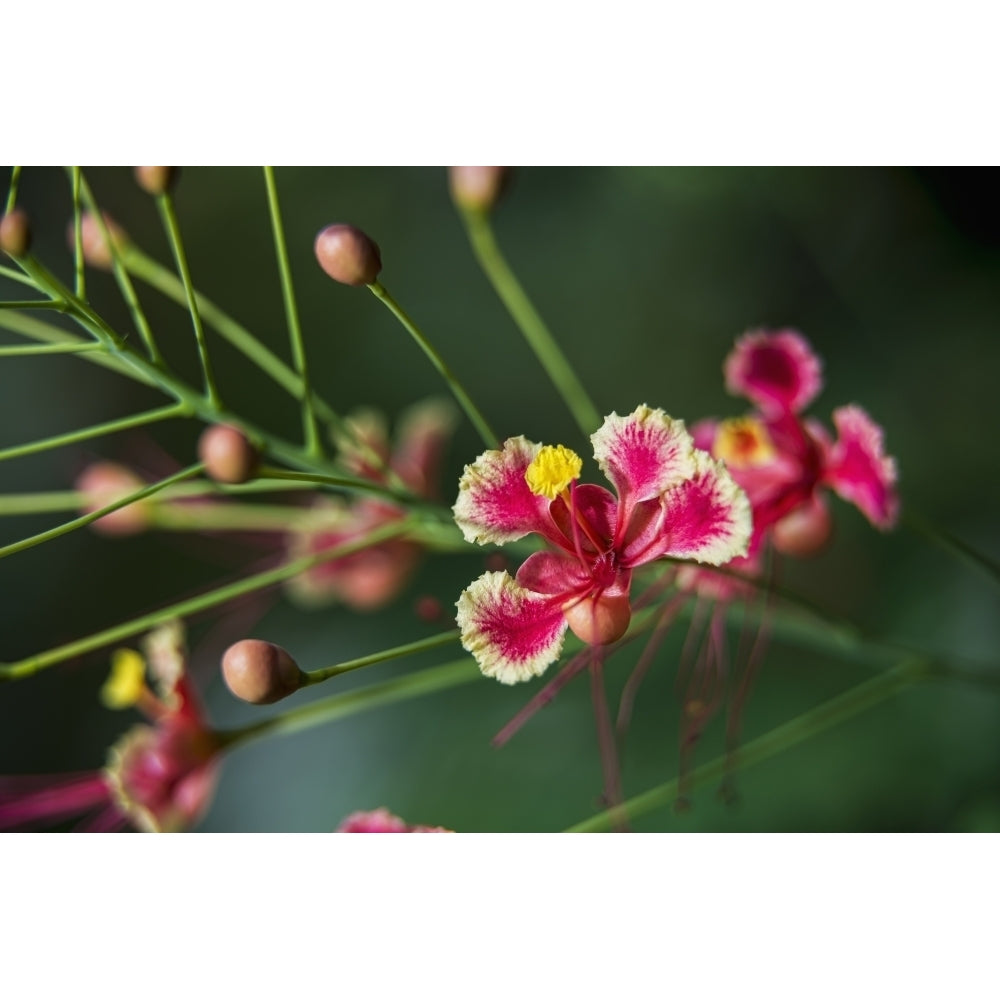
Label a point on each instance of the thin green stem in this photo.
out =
(419, 646)
(343, 482)
(314, 444)
(531, 325)
(98, 430)
(85, 519)
(15, 178)
(122, 279)
(317, 713)
(215, 516)
(471, 411)
(953, 546)
(34, 304)
(7, 272)
(193, 605)
(825, 716)
(166, 206)
(29, 350)
(81, 280)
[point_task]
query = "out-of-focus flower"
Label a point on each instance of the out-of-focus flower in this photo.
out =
(159, 777)
(103, 483)
(673, 500)
(383, 821)
(372, 577)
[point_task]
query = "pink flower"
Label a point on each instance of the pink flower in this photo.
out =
(673, 500)
(785, 462)
(374, 576)
(383, 821)
(159, 777)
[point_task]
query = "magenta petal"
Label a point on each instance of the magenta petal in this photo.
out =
(859, 470)
(29, 800)
(553, 573)
(778, 371)
(494, 503)
(424, 430)
(513, 633)
(596, 508)
(706, 518)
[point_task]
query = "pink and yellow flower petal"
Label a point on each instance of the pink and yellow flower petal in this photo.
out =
(858, 468)
(494, 501)
(512, 632)
(776, 370)
(643, 454)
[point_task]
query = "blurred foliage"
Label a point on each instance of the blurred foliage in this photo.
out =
(645, 276)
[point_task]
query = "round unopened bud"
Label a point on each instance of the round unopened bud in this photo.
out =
(805, 531)
(15, 233)
(260, 672)
(477, 188)
(348, 255)
(105, 482)
(228, 456)
(96, 251)
(429, 609)
(156, 180)
(598, 621)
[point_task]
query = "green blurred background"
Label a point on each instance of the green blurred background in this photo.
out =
(645, 276)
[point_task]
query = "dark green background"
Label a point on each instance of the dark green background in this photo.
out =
(645, 276)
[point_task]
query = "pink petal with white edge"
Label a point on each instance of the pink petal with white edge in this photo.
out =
(706, 518)
(514, 634)
(859, 469)
(643, 454)
(778, 371)
(494, 503)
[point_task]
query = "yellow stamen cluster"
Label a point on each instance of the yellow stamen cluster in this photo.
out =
(553, 469)
(126, 682)
(742, 442)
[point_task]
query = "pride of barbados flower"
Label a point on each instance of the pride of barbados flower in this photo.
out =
(673, 500)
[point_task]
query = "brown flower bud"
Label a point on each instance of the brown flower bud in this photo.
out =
(348, 255)
(599, 621)
(805, 531)
(15, 233)
(96, 251)
(477, 188)
(105, 482)
(260, 672)
(156, 180)
(228, 456)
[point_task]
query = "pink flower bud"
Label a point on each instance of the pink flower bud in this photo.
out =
(260, 672)
(96, 251)
(156, 180)
(477, 188)
(15, 233)
(348, 255)
(228, 456)
(804, 531)
(429, 609)
(599, 621)
(104, 483)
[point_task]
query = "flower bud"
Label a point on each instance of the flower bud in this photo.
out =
(228, 456)
(260, 672)
(477, 188)
(15, 233)
(96, 251)
(601, 620)
(156, 180)
(429, 609)
(804, 531)
(348, 255)
(103, 483)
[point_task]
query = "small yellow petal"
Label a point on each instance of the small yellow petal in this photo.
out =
(742, 442)
(553, 469)
(126, 682)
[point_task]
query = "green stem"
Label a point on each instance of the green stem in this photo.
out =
(338, 706)
(314, 444)
(84, 520)
(29, 350)
(215, 516)
(831, 713)
(193, 605)
(81, 285)
(952, 545)
(471, 411)
(15, 177)
(419, 646)
(531, 325)
(166, 206)
(7, 272)
(125, 423)
(34, 304)
(344, 482)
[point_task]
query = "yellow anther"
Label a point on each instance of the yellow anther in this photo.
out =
(552, 470)
(742, 442)
(126, 682)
